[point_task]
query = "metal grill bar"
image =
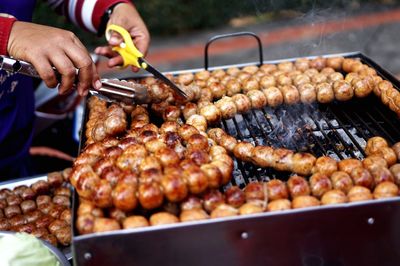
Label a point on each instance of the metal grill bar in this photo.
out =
(323, 130)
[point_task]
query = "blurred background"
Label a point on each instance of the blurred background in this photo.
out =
(287, 28)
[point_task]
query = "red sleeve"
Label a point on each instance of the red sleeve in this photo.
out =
(5, 29)
(100, 7)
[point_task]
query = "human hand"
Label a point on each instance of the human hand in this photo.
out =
(126, 16)
(45, 47)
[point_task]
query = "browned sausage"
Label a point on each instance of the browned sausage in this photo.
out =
(277, 190)
(304, 202)
(279, 205)
(386, 189)
(362, 177)
(320, 184)
(162, 218)
(334, 196)
(298, 186)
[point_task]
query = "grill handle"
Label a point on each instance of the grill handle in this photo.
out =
(229, 35)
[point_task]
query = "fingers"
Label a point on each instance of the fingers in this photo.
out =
(66, 69)
(46, 72)
(115, 39)
(141, 40)
(87, 75)
(105, 51)
(96, 83)
(82, 61)
(115, 58)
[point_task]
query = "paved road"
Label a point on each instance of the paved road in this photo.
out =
(372, 30)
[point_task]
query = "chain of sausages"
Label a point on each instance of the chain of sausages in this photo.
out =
(257, 197)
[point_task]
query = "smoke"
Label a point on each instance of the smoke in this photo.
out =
(292, 127)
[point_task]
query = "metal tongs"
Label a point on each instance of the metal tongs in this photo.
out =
(112, 90)
(133, 57)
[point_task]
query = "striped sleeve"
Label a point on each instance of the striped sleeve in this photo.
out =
(84, 13)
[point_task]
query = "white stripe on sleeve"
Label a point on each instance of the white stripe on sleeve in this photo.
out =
(71, 10)
(87, 13)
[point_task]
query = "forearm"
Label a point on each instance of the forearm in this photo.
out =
(84, 13)
(5, 29)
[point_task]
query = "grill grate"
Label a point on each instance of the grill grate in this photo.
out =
(339, 130)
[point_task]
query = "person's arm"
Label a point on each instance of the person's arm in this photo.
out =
(89, 14)
(84, 13)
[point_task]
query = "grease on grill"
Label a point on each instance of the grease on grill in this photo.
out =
(339, 130)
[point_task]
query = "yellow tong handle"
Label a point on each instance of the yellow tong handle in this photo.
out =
(130, 54)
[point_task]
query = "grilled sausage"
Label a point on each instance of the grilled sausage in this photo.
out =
(85, 223)
(213, 198)
(66, 216)
(303, 163)
(325, 165)
(44, 221)
(320, 184)
(193, 215)
(325, 93)
(150, 195)
(373, 161)
(257, 98)
(213, 174)
(359, 193)
(298, 186)
(251, 208)
(28, 194)
(381, 174)
(105, 224)
(347, 165)
(334, 196)
(235, 197)
(55, 179)
(362, 177)
(56, 225)
(63, 200)
(174, 187)
(13, 200)
(342, 181)
(162, 218)
(279, 205)
(305, 201)
(12, 211)
(274, 96)
(263, 156)
(195, 179)
(40, 187)
(224, 210)
(386, 189)
(282, 159)
(342, 90)
(28, 206)
(63, 236)
(395, 170)
(374, 144)
(396, 149)
(31, 217)
(290, 94)
(134, 221)
(308, 93)
(276, 189)
(50, 239)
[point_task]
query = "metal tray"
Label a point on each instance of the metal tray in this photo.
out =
(27, 181)
(348, 234)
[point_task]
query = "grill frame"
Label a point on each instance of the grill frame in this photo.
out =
(96, 248)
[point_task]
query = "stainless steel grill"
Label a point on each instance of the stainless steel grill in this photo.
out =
(339, 130)
(362, 233)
